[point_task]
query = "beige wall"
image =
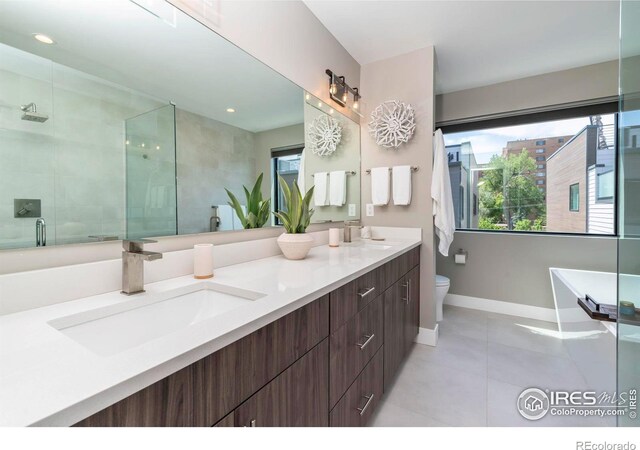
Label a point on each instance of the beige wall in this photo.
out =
(408, 78)
(285, 35)
(515, 267)
(567, 86)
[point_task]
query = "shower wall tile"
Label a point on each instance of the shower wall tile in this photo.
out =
(211, 156)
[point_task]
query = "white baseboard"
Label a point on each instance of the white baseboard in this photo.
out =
(427, 336)
(496, 306)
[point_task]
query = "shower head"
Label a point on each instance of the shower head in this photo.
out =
(30, 113)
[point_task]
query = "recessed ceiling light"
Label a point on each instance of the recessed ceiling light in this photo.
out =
(43, 38)
(231, 110)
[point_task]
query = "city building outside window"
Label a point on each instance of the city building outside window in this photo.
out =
(506, 185)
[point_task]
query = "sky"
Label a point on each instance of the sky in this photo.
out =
(489, 142)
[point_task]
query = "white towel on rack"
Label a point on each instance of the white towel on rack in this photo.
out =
(226, 214)
(337, 188)
(401, 181)
(444, 218)
(320, 190)
(301, 180)
(380, 186)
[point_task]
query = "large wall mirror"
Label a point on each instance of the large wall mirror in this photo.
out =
(129, 119)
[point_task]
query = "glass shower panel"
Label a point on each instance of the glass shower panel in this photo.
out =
(629, 213)
(150, 144)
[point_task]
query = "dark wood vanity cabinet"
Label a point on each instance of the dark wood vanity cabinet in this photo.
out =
(327, 363)
(298, 397)
(401, 321)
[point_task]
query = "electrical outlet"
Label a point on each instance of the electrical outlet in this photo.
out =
(370, 211)
(352, 210)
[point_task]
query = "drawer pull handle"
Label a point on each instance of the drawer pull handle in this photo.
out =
(366, 292)
(407, 285)
(369, 338)
(366, 405)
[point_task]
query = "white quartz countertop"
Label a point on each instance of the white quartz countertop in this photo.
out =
(48, 379)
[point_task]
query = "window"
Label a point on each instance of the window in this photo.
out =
(286, 163)
(517, 188)
(605, 185)
(574, 197)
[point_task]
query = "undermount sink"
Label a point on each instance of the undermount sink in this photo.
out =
(375, 245)
(115, 328)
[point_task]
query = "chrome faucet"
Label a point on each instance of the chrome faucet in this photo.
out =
(41, 232)
(348, 225)
(133, 258)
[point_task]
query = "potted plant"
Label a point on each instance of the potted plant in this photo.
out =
(258, 209)
(295, 243)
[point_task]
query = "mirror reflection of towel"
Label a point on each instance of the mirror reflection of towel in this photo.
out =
(338, 188)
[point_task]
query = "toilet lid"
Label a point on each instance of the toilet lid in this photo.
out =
(441, 281)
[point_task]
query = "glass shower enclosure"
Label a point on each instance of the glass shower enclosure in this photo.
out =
(150, 143)
(628, 330)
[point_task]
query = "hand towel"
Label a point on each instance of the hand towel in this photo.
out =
(444, 218)
(226, 214)
(302, 184)
(320, 190)
(337, 188)
(380, 186)
(401, 181)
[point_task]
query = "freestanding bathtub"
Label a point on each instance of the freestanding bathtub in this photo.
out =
(590, 343)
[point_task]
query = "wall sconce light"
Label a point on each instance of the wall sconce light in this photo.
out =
(339, 91)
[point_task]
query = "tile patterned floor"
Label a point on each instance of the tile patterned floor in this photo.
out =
(483, 361)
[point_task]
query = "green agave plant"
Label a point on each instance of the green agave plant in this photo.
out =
(297, 217)
(258, 209)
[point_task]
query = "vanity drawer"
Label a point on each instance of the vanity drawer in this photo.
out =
(353, 345)
(347, 300)
(397, 268)
(360, 401)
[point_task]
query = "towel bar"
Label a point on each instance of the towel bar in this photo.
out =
(413, 169)
(349, 172)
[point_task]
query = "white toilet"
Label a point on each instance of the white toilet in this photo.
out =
(442, 287)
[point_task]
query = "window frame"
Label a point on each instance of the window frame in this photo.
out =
(577, 207)
(607, 105)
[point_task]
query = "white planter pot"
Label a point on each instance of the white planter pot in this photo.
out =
(295, 246)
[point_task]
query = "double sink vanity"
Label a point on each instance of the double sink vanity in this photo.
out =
(267, 342)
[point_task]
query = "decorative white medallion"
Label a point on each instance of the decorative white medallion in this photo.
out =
(324, 135)
(392, 123)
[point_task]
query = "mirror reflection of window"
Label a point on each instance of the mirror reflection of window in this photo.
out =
(286, 163)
